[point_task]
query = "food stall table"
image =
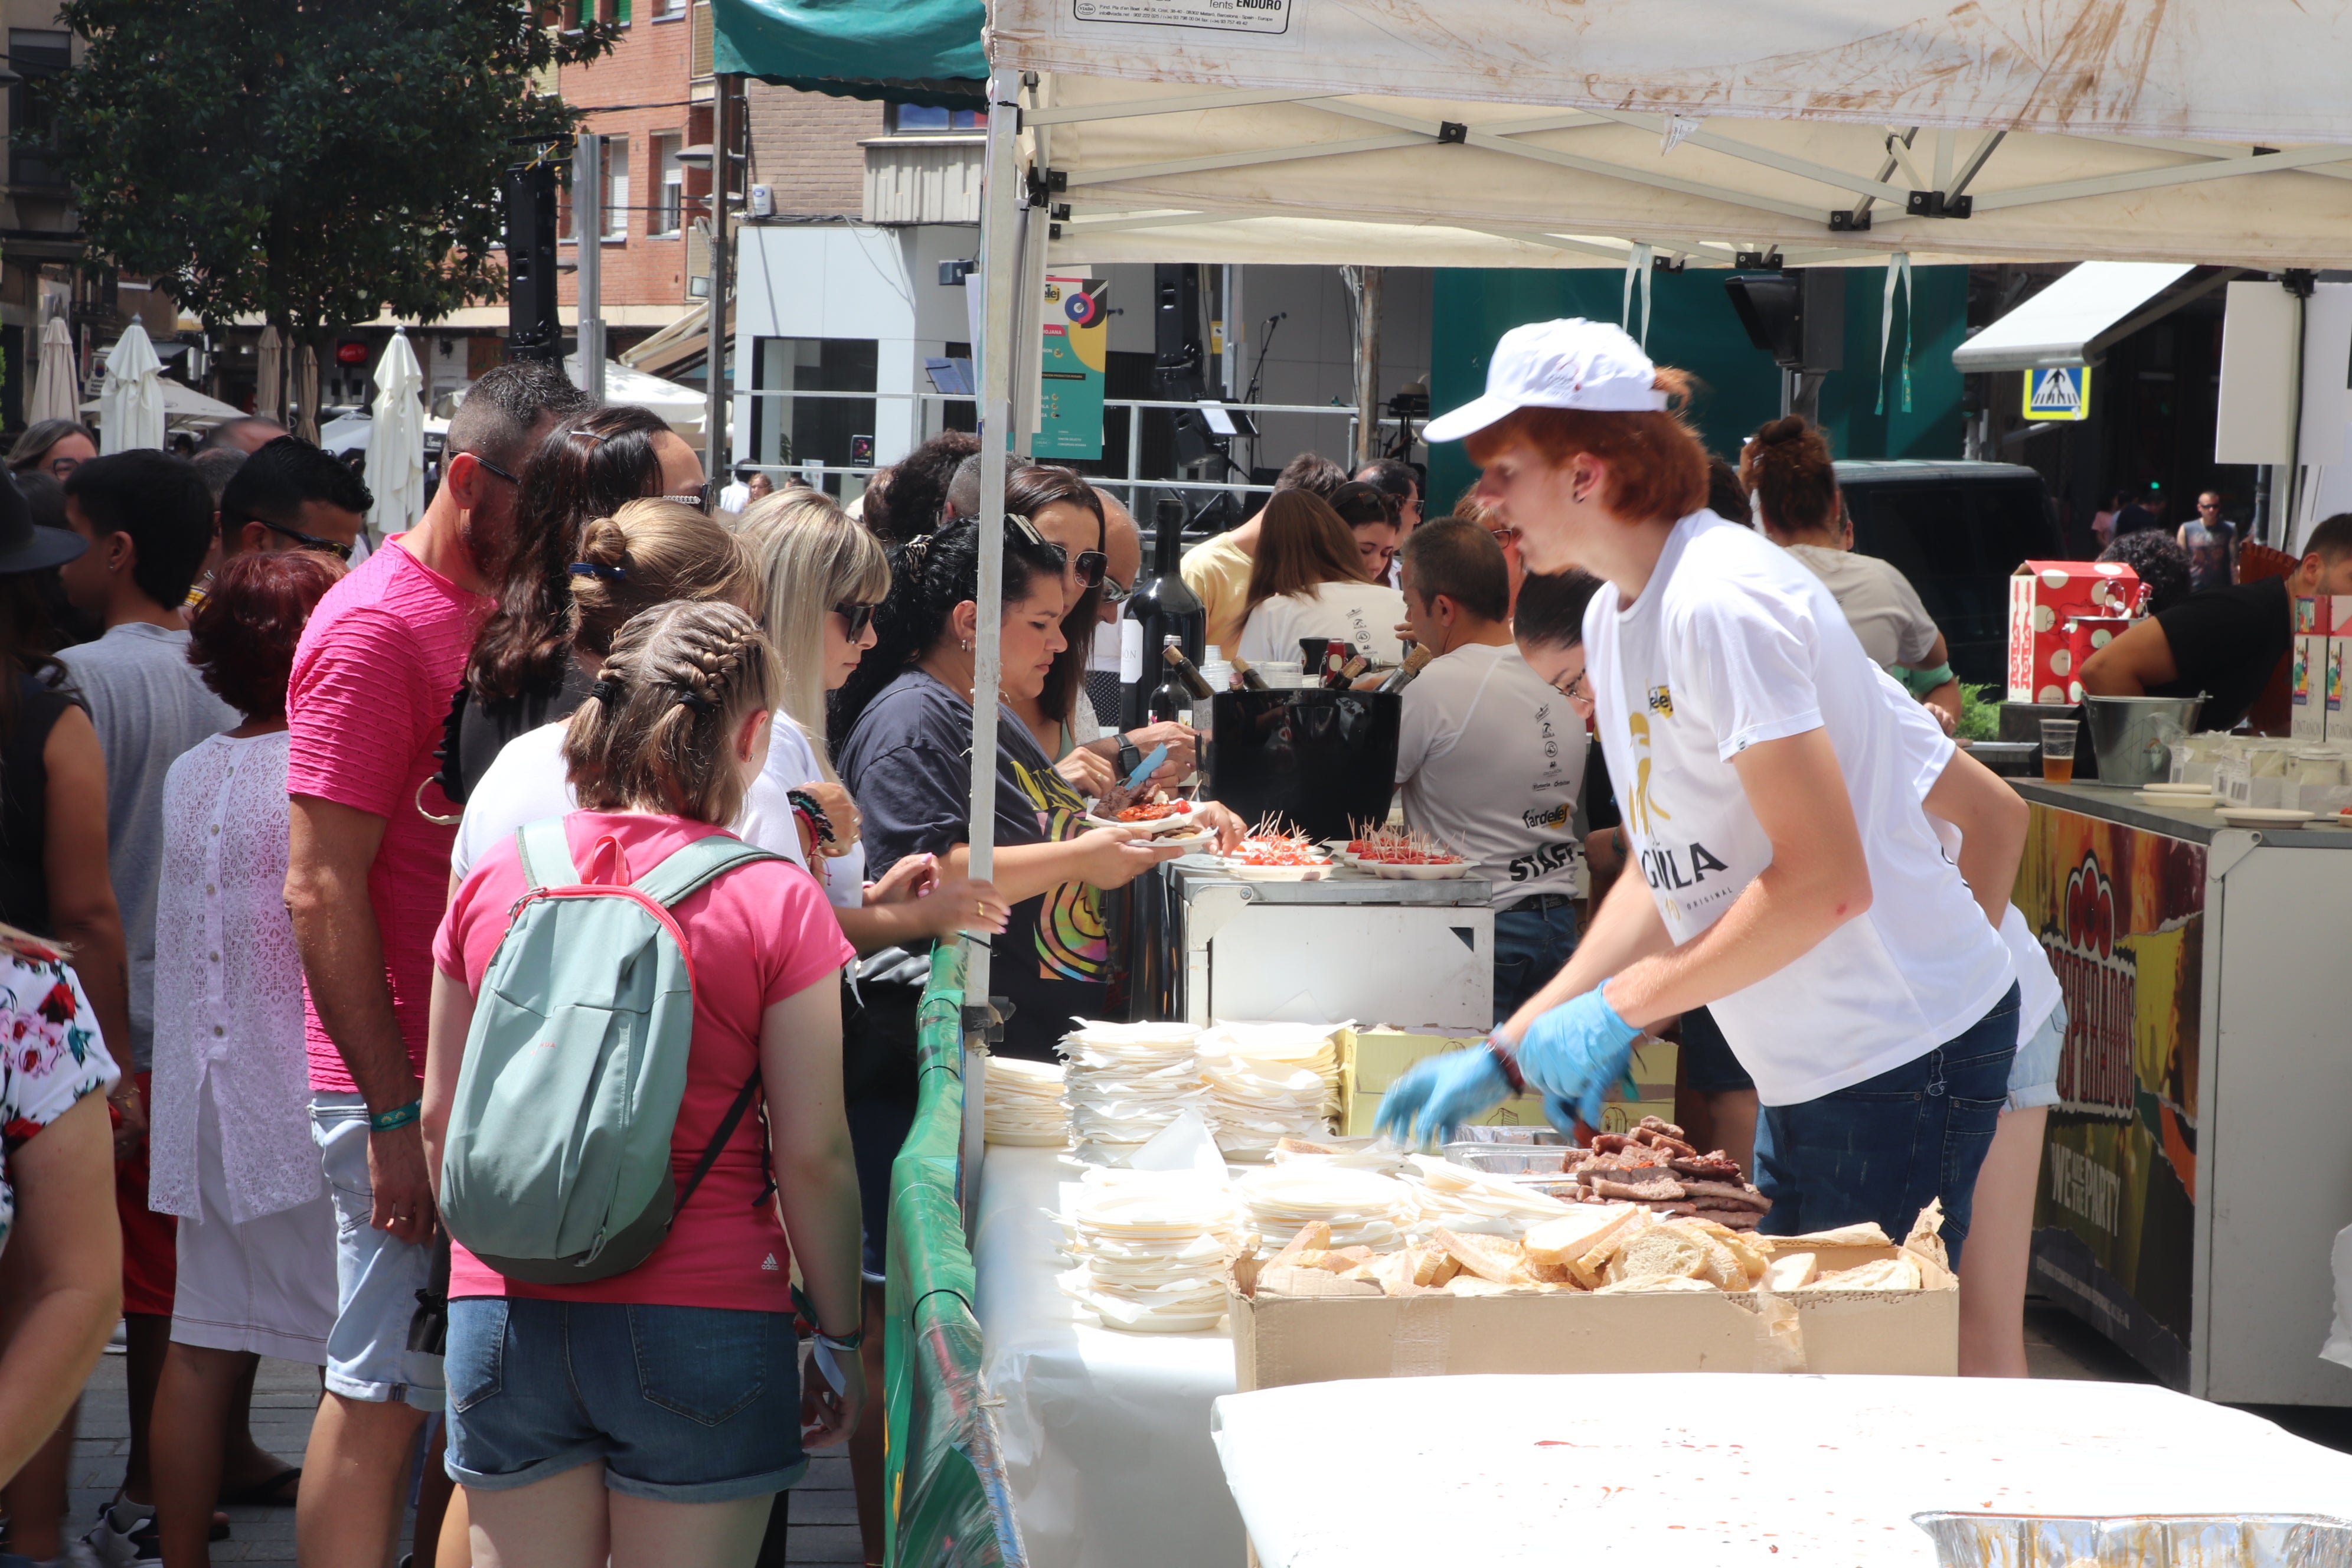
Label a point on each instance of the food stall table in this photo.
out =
(1106, 1435)
(2196, 1171)
(1731, 1471)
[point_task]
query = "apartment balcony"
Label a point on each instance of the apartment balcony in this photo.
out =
(924, 179)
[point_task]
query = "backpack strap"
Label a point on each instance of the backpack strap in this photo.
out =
(546, 854)
(727, 1125)
(684, 870)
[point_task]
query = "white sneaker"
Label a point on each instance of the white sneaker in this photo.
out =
(123, 1537)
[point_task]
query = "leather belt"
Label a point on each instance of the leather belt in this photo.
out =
(1542, 901)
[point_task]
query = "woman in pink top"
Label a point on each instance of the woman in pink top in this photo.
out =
(649, 1417)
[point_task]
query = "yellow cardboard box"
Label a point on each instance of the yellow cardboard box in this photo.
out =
(1373, 1060)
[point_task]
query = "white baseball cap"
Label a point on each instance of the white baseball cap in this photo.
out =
(1572, 364)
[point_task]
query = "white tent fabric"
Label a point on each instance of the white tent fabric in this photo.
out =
(184, 409)
(2071, 321)
(57, 384)
(1464, 134)
(395, 470)
(131, 401)
(684, 409)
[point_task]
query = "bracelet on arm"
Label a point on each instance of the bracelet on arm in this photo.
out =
(805, 807)
(399, 1116)
(842, 1342)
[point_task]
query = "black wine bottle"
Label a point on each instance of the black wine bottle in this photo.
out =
(1172, 652)
(1164, 606)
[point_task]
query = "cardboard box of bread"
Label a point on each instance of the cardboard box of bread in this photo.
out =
(1372, 1059)
(1626, 1277)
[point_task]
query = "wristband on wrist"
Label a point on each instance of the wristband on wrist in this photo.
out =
(842, 1342)
(399, 1116)
(1507, 1058)
(805, 807)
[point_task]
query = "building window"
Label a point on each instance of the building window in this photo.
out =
(616, 188)
(835, 431)
(34, 54)
(669, 209)
(919, 120)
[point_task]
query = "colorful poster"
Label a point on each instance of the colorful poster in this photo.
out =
(1070, 378)
(2121, 913)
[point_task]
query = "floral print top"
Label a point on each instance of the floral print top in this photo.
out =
(50, 1053)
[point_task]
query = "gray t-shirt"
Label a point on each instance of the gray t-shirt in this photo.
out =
(149, 705)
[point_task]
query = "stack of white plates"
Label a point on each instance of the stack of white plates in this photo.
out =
(1152, 1250)
(1466, 1201)
(1024, 1104)
(1268, 1082)
(1362, 1209)
(1126, 1082)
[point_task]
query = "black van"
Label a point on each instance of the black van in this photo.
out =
(1958, 531)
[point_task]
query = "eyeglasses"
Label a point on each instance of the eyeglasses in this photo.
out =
(1113, 592)
(1505, 536)
(2209, 506)
(1576, 688)
(60, 466)
(854, 619)
(308, 541)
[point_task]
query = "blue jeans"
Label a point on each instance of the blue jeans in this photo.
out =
(1883, 1148)
(1530, 947)
(679, 1403)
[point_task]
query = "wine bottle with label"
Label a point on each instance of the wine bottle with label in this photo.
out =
(1414, 663)
(1246, 675)
(1164, 604)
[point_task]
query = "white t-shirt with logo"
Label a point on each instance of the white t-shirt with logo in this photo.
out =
(1491, 761)
(1364, 614)
(1931, 751)
(1730, 644)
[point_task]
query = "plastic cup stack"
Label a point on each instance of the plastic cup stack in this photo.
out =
(1466, 1201)
(1126, 1082)
(1153, 1248)
(1362, 1209)
(1023, 1106)
(1268, 1082)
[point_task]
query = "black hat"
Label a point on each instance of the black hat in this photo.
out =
(25, 545)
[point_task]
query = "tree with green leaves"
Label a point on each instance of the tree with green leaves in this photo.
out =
(311, 161)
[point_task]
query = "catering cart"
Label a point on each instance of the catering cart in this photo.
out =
(2196, 1170)
(1419, 955)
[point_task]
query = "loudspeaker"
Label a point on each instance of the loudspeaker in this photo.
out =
(534, 324)
(1796, 317)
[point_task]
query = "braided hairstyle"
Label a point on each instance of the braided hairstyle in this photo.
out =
(929, 578)
(1787, 469)
(657, 732)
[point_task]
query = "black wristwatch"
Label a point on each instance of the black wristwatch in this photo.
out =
(1130, 759)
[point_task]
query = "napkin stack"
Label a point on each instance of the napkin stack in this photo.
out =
(1268, 1082)
(1126, 1082)
(1153, 1248)
(1362, 1209)
(1463, 1201)
(1024, 1104)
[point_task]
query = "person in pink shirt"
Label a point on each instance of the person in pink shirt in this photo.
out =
(649, 1417)
(368, 869)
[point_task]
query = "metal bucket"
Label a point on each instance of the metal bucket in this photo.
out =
(2133, 736)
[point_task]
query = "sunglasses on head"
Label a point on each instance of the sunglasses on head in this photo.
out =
(854, 618)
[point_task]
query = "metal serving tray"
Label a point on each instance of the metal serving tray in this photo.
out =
(2147, 1540)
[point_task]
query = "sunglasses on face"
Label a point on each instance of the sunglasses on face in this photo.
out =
(1090, 565)
(484, 463)
(308, 541)
(1113, 592)
(854, 619)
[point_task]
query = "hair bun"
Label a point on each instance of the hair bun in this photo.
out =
(603, 542)
(1788, 429)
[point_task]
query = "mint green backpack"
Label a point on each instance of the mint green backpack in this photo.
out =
(556, 1166)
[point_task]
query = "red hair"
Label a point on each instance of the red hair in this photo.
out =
(1657, 464)
(241, 639)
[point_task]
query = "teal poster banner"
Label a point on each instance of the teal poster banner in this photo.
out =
(1070, 376)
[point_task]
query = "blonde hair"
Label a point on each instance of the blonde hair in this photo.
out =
(647, 553)
(813, 557)
(657, 732)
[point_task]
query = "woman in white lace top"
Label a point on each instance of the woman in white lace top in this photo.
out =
(231, 1152)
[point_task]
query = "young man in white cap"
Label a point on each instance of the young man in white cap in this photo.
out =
(1793, 885)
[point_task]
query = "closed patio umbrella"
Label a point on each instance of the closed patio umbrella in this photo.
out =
(56, 384)
(131, 404)
(395, 469)
(269, 394)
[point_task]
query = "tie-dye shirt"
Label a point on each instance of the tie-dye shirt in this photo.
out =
(907, 763)
(51, 1054)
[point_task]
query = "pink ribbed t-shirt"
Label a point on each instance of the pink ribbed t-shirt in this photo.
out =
(369, 695)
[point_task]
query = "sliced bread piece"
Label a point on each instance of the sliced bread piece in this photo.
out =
(1489, 1256)
(1790, 1271)
(1557, 1241)
(1661, 1249)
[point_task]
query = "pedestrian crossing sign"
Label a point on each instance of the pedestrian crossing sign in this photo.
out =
(2062, 391)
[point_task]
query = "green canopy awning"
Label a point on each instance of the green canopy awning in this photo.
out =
(898, 51)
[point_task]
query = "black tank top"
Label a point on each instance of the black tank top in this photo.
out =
(24, 806)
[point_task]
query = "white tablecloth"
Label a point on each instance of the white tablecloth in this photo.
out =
(1728, 1470)
(1106, 1434)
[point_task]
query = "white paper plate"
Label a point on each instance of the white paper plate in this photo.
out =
(1278, 873)
(2180, 801)
(1181, 822)
(2196, 791)
(2264, 815)
(1413, 873)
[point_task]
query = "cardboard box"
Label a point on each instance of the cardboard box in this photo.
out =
(2308, 687)
(1373, 1060)
(2086, 635)
(1284, 1340)
(2043, 596)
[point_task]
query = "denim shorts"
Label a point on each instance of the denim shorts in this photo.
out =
(376, 1277)
(1881, 1149)
(681, 1404)
(2033, 1077)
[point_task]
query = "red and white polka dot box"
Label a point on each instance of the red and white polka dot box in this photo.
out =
(2043, 597)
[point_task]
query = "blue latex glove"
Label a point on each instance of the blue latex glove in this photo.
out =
(1439, 1093)
(1573, 1053)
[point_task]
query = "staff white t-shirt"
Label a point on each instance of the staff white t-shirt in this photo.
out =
(1364, 614)
(526, 782)
(1878, 603)
(1491, 761)
(1931, 751)
(1732, 644)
